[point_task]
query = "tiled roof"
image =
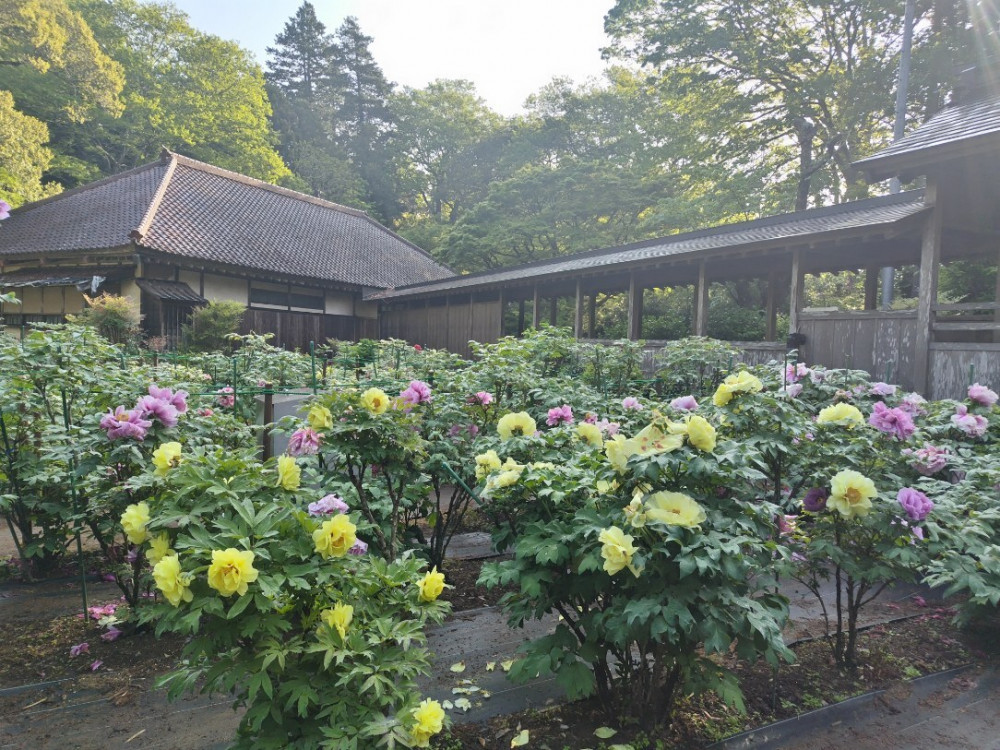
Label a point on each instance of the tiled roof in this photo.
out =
(171, 291)
(951, 128)
(794, 227)
(182, 207)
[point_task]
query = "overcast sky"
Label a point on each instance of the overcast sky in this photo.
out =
(508, 48)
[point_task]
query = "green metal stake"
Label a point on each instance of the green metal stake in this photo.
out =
(312, 362)
(888, 372)
(458, 479)
(77, 511)
(972, 373)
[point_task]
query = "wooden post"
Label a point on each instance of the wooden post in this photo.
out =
(536, 309)
(500, 322)
(871, 288)
(553, 311)
(521, 304)
(795, 293)
(634, 308)
(578, 312)
(930, 261)
(701, 302)
(592, 314)
(772, 306)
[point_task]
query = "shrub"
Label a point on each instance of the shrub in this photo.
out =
(115, 318)
(209, 327)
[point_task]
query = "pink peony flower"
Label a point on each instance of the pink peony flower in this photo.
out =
(913, 404)
(482, 398)
(80, 648)
(304, 442)
(327, 506)
(895, 422)
(205, 412)
(359, 548)
(418, 392)
(96, 665)
(982, 395)
(928, 460)
(916, 504)
(111, 634)
(681, 403)
(793, 390)
(162, 410)
(608, 428)
(972, 425)
(817, 376)
(417, 348)
(226, 397)
(560, 415)
(177, 400)
(125, 424)
(4, 210)
(631, 402)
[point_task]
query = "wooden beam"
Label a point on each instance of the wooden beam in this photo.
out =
(930, 262)
(772, 306)
(536, 308)
(578, 312)
(634, 308)
(795, 292)
(871, 287)
(701, 302)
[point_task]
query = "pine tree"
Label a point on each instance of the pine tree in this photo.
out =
(300, 62)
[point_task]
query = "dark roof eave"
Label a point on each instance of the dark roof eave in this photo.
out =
(885, 229)
(911, 164)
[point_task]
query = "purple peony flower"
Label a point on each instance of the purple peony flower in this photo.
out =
(4, 210)
(681, 403)
(913, 404)
(882, 389)
(482, 398)
(560, 415)
(895, 422)
(972, 425)
(815, 499)
(305, 441)
(608, 428)
(111, 634)
(162, 410)
(916, 504)
(177, 400)
(418, 392)
(80, 648)
(793, 390)
(817, 376)
(359, 548)
(982, 395)
(327, 506)
(928, 460)
(631, 402)
(795, 372)
(122, 423)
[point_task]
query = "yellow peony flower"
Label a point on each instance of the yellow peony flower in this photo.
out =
(431, 585)
(487, 463)
(635, 512)
(652, 440)
(335, 537)
(166, 457)
(134, 521)
(174, 584)
(701, 434)
(674, 509)
(339, 617)
(742, 382)
(231, 570)
(617, 551)
(841, 413)
(375, 400)
(428, 720)
(516, 423)
(320, 418)
(159, 547)
(618, 450)
(851, 493)
(289, 473)
(605, 487)
(590, 434)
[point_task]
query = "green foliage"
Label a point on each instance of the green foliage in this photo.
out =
(23, 155)
(115, 318)
(694, 365)
(303, 682)
(210, 327)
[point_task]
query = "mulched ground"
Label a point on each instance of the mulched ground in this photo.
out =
(890, 653)
(464, 593)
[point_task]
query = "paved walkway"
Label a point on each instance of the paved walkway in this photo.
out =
(478, 639)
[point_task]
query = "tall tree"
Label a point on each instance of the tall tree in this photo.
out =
(23, 155)
(299, 61)
(362, 119)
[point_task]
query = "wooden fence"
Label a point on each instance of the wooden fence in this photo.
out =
(449, 326)
(294, 330)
